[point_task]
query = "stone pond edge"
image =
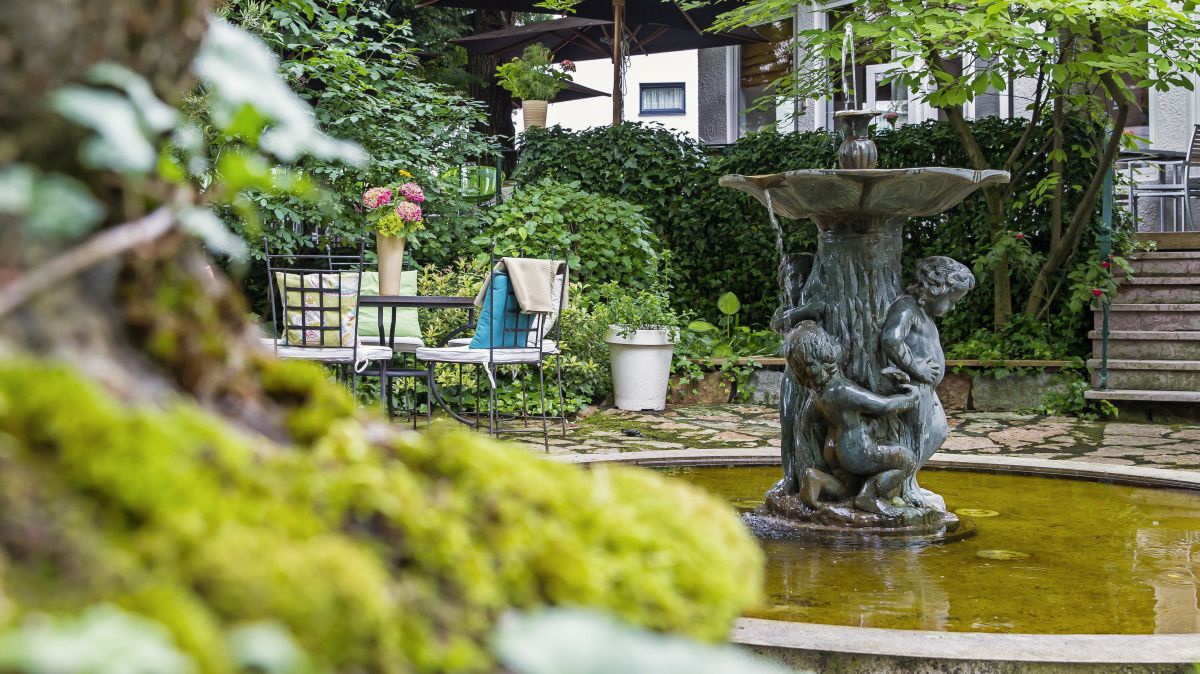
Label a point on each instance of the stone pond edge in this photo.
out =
(778, 635)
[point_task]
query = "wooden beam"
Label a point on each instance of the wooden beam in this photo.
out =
(618, 60)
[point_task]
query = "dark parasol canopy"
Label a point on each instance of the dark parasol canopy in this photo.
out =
(649, 26)
(580, 39)
(575, 92)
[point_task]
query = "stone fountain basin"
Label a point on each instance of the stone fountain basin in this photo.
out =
(838, 649)
(910, 192)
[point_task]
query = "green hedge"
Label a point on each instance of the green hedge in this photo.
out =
(721, 240)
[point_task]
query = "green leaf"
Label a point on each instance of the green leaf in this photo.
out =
(701, 326)
(729, 304)
(121, 143)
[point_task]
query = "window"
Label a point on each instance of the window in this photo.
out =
(760, 65)
(663, 99)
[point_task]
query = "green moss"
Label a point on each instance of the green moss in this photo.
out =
(385, 554)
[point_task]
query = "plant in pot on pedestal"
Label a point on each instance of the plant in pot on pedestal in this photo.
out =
(397, 217)
(641, 338)
(535, 79)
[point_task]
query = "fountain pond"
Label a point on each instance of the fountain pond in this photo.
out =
(1116, 560)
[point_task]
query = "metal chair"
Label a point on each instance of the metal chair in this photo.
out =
(1182, 187)
(315, 312)
(524, 343)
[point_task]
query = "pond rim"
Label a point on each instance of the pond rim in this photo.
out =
(978, 646)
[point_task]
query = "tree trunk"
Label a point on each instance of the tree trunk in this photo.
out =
(994, 196)
(484, 87)
(143, 319)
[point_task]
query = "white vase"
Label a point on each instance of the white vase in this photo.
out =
(534, 113)
(390, 250)
(641, 367)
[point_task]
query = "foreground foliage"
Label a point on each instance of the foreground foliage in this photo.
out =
(379, 553)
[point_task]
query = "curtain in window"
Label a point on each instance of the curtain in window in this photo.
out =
(662, 98)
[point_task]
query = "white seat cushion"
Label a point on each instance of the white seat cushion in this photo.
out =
(366, 352)
(464, 354)
(399, 344)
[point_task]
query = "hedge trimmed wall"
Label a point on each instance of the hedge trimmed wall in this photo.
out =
(722, 240)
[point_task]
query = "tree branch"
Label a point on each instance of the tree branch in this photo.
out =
(88, 254)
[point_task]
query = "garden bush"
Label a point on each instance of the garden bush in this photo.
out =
(604, 238)
(721, 240)
(377, 552)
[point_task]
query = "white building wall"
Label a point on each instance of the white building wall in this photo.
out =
(651, 69)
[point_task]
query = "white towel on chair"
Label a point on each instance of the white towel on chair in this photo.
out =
(532, 281)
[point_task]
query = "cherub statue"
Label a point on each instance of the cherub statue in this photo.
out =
(792, 408)
(814, 360)
(910, 340)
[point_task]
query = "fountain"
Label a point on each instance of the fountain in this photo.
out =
(853, 582)
(860, 413)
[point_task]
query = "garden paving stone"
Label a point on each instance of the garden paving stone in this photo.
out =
(992, 433)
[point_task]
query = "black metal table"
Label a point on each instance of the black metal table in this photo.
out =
(388, 371)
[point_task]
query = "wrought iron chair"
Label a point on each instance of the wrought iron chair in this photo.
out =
(523, 341)
(1179, 189)
(314, 301)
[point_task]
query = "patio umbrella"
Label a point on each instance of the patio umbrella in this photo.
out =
(580, 39)
(641, 22)
(574, 92)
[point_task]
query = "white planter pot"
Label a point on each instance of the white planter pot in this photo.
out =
(534, 113)
(641, 367)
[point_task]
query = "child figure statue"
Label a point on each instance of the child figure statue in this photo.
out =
(792, 404)
(910, 340)
(814, 359)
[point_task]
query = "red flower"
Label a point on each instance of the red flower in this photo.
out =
(568, 65)
(1105, 264)
(1019, 235)
(1097, 292)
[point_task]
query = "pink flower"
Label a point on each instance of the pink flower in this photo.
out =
(408, 212)
(1096, 292)
(412, 192)
(1019, 236)
(568, 65)
(376, 197)
(1105, 264)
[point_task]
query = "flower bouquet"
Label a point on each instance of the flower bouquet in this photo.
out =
(397, 217)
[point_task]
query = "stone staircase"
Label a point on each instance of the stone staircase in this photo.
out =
(1154, 333)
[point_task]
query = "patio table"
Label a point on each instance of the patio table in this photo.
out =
(386, 371)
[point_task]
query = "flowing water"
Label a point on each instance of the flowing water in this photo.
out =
(1051, 556)
(779, 247)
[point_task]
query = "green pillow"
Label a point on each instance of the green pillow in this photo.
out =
(407, 324)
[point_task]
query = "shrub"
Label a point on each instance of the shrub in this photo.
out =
(378, 553)
(605, 238)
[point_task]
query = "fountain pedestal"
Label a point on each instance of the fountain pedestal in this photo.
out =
(861, 414)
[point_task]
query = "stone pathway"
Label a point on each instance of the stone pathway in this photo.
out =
(1004, 434)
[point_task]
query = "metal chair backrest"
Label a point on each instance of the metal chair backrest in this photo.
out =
(313, 284)
(531, 335)
(1193, 151)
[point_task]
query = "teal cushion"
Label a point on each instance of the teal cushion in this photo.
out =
(407, 324)
(507, 315)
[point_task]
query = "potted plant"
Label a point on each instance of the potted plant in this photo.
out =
(641, 339)
(396, 216)
(535, 80)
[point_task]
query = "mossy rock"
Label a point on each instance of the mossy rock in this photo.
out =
(381, 551)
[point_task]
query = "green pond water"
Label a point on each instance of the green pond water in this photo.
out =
(1051, 556)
